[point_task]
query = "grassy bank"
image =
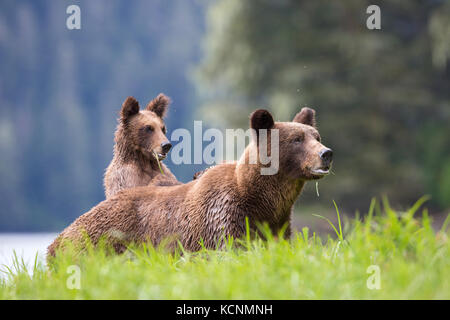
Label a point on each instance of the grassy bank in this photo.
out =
(413, 261)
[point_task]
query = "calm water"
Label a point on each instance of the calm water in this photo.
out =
(26, 245)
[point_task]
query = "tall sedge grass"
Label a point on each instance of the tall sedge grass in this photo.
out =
(413, 259)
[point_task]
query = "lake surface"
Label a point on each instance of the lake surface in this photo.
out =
(26, 246)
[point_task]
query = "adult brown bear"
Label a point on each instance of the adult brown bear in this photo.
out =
(219, 201)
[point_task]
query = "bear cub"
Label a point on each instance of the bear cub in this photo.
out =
(140, 143)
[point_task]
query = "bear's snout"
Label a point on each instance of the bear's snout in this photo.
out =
(166, 146)
(327, 156)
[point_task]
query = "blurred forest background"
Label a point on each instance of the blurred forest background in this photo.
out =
(382, 96)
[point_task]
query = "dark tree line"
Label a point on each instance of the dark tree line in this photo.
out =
(382, 96)
(61, 90)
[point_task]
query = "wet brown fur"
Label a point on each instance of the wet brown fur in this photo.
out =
(214, 205)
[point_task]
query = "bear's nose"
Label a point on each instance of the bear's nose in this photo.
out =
(166, 146)
(326, 155)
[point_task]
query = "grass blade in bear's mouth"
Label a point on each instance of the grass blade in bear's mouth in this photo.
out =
(156, 155)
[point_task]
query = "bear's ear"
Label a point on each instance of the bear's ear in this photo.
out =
(159, 105)
(129, 107)
(306, 116)
(261, 119)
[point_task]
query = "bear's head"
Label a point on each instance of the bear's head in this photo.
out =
(301, 153)
(144, 130)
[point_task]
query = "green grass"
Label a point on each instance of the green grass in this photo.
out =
(414, 262)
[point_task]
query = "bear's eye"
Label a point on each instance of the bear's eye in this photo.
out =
(164, 130)
(298, 139)
(148, 128)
